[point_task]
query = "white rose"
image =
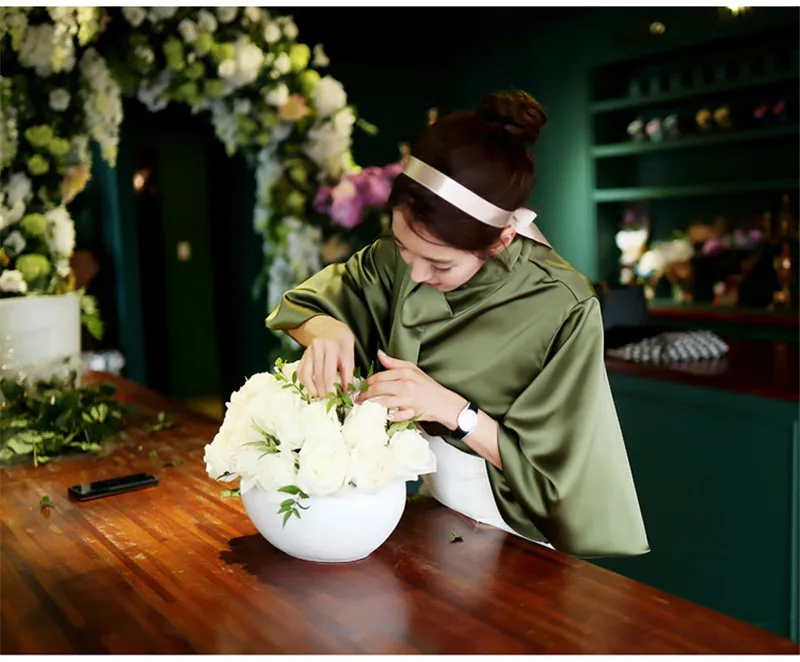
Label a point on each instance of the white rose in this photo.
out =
(283, 64)
(411, 454)
(11, 280)
(220, 458)
(288, 369)
(278, 95)
(134, 15)
(59, 99)
(162, 13)
(319, 424)
(275, 471)
(323, 467)
(272, 33)
(242, 106)
(226, 68)
(206, 21)
(365, 423)
(188, 30)
(252, 14)
(320, 59)
(328, 97)
(226, 14)
(14, 244)
(290, 30)
(371, 467)
(277, 414)
(343, 123)
(19, 189)
(60, 231)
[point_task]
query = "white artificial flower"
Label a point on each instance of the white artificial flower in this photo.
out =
(102, 103)
(154, 94)
(323, 467)
(248, 61)
(278, 95)
(290, 30)
(283, 64)
(188, 30)
(220, 457)
(676, 251)
(412, 455)
(328, 97)
(11, 280)
(60, 232)
(303, 247)
(226, 68)
(225, 125)
(242, 106)
(319, 424)
(162, 13)
(226, 14)
(327, 147)
(272, 33)
(650, 263)
(370, 467)
(59, 99)
(274, 471)
(63, 267)
(252, 14)
(207, 21)
(365, 423)
(320, 59)
(276, 413)
(343, 122)
(19, 189)
(46, 52)
(145, 54)
(14, 244)
(134, 15)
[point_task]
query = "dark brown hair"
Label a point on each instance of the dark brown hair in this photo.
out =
(486, 151)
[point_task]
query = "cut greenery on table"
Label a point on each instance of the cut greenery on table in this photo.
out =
(57, 417)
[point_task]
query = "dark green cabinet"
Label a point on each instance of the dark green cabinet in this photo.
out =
(717, 475)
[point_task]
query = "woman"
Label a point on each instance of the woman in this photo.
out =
(487, 336)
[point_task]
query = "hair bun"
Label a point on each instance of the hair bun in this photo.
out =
(517, 112)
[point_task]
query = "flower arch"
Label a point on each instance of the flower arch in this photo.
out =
(65, 72)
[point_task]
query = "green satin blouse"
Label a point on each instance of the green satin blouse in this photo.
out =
(523, 340)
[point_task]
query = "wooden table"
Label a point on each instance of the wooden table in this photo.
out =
(177, 569)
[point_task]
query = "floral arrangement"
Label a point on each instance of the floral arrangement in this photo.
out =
(65, 70)
(56, 95)
(277, 438)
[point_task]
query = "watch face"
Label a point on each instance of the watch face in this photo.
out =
(467, 420)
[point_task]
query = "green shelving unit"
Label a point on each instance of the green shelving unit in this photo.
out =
(690, 190)
(627, 103)
(694, 452)
(634, 148)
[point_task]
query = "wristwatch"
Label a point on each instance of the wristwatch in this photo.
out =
(467, 421)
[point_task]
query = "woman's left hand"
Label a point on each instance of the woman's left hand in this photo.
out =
(406, 389)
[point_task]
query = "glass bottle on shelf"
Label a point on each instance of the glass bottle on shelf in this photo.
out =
(782, 262)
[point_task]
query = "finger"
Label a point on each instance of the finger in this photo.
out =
(391, 362)
(304, 370)
(347, 365)
(329, 372)
(319, 371)
(394, 375)
(382, 391)
(401, 414)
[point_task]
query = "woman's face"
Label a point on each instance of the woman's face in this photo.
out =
(433, 263)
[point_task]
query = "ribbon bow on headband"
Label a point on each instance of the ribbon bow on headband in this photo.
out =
(470, 203)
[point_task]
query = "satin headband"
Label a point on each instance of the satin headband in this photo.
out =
(470, 203)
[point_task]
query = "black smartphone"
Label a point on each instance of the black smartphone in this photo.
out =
(112, 486)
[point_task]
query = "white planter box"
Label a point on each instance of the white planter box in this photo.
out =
(334, 529)
(40, 336)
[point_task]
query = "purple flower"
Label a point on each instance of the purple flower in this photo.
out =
(323, 199)
(715, 246)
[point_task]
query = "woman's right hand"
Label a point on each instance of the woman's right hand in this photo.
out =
(330, 348)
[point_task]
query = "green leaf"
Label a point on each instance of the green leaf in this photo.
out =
(287, 504)
(153, 454)
(174, 463)
(286, 517)
(46, 502)
(454, 537)
(357, 372)
(19, 446)
(289, 489)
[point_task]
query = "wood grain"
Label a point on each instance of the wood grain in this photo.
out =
(176, 569)
(754, 367)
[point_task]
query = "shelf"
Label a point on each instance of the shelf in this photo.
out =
(634, 148)
(669, 97)
(705, 312)
(653, 192)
